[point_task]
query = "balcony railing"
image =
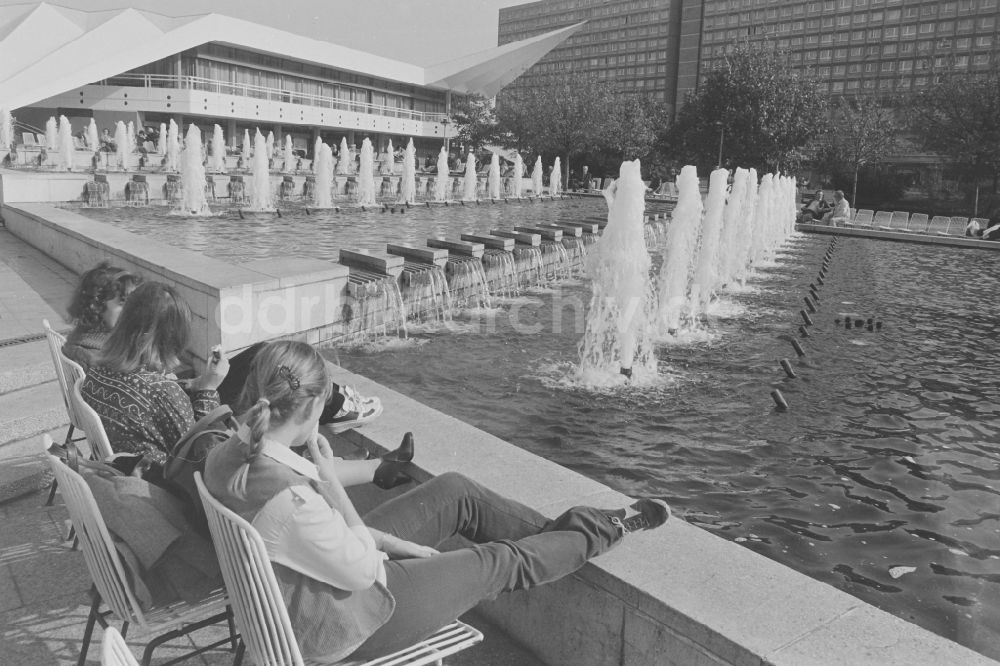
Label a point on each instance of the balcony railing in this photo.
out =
(261, 92)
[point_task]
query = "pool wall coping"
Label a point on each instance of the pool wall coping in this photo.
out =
(901, 236)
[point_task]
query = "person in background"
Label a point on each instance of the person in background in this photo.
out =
(364, 588)
(815, 209)
(841, 213)
(94, 310)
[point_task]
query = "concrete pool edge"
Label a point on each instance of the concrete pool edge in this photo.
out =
(900, 236)
(677, 595)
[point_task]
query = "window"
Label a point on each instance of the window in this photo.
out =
(944, 44)
(875, 33)
(986, 23)
(905, 66)
(945, 27)
(826, 38)
(965, 25)
(869, 67)
(910, 13)
(984, 41)
(853, 85)
(876, 17)
(888, 66)
(828, 21)
(893, 15)
(889, 49)
(909, 31)
(840, 54)
(981, 59)
(885, 84)
(858, 36)
(856, 51)
(926, 28)
(920, 81)
(903, 84)
(838, 86)
(869, 85)
(860, 18)
(906, 47)
(854, 69)
(825, 54)
(872, 50)
(839, 70)
(948, 8)
(928, 10)
(963, 42)
(891, 33)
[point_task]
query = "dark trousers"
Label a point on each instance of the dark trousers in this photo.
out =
(516, 549)
(239, 369)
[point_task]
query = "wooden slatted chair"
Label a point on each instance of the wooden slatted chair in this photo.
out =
(260, 611)
(918, 222)
(882, 219)
(864, 218)
(114, 650)
(110, 580)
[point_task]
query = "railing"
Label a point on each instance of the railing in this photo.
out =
(261, 92)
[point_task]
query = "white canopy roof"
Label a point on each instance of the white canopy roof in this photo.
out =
(46, 50)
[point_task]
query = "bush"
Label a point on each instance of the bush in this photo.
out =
(874, 189)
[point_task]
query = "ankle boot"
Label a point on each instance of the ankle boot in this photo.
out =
(392, 471)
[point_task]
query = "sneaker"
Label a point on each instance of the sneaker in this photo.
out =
(357, 410)
(652, 513)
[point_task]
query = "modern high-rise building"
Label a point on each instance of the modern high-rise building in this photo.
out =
(666, 47)
(626, 41)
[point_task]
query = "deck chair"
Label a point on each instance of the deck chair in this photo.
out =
(111, 581)
(882, 219)
(260, 610)
(938, 225)
(66, 373)
(899, 220)
(918, 222)
(864, 218)
(114, 650)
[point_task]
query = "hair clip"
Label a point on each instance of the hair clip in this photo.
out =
(286, 373)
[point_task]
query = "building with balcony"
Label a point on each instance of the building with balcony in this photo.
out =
(631, 42)
(147, 68)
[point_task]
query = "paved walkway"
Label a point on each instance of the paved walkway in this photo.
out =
(43, 584)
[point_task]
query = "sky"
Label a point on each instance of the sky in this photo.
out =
(421, 32)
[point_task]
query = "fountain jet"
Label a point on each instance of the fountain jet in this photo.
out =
(6, 130)
(66, 147)
(343, 159)
(518, 176)
(260, 198)
(494, 178)
(469, 182)
(93, 138)
(705, 272)
(173, 147)
(324, 176)
(51, 135)
(218, 150)
(536, 177)
(555, 179)
(408, 184)
(193, 201)
(161, 146)
(289, 155)
(121, 145)
(617, 339)
(443, 180)
(366, 175)
(388, 162)
(682, 239)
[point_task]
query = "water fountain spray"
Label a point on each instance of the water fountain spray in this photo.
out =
(366, 175)
(555, 180)
(218, 150)
(193, 201)
(682, 239)
(518, 176)
(443, 180)
(161, 146)
(536, 177)
(469, 182)
(408, 184)
(173, 147)
(121, 145)
(343, 160)
(51, 135)
(494, 177)
(260, 198)
(93, 138)
(289, 155)
(6, 130)
(324, 176)
(246, 152)
(705, 278)
(617, 338)
(732, 223)
(66, 147)
(386, 168)
(130, 133)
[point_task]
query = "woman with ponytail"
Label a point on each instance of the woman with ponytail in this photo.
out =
(363, 588)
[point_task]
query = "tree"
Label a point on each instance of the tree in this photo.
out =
(754, 110)
(576, 117)
(959, 117)
(862, 131)
(476, 121)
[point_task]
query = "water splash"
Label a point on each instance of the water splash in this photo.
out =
(344, 164)
(467, 282)
(388, 165)
(366, 175)
(260, 197)
(173, 146)
(443, 181)
(555, 180)
(682, 239)
(51, 135)
(494, 178)
(121, 145)
(193, 201)
(469, 181)
(731, 234)
(536, 177)
(501, 272)
(617, 342)
(288, 155)
(518, 176)
(161, 140)
(705, 280)
(94, 139)
(66, 147)
(408, 182)
(218, 150)
(324, 177)
(246, 152)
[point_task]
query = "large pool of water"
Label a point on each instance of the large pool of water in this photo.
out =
(322, 233)
(888, 456)
(886, 462)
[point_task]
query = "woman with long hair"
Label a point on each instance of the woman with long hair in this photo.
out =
(363, 588)
(94, 310)
(143, 407)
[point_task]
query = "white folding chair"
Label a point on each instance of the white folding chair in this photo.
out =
(56, 341)
(111, 582)
(90, 421)
(918, 223)
(260, 612)
(114, 650)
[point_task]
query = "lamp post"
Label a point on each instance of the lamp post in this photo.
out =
(722, 136)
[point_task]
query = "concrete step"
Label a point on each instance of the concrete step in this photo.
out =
(30, 411)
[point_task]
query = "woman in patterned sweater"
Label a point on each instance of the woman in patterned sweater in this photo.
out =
(131, 386)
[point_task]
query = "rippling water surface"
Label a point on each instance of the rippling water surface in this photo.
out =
(887, 458)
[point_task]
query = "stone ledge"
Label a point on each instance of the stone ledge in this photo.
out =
(677, 595)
